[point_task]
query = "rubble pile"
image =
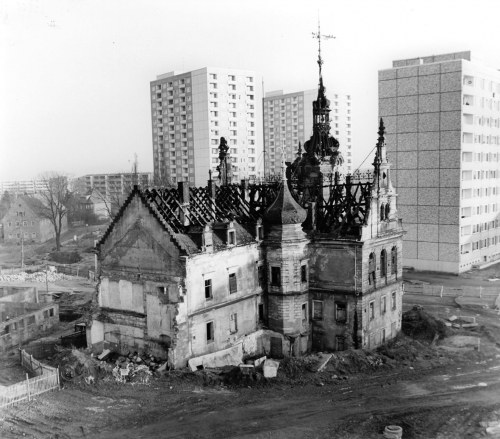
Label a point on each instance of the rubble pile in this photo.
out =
(38, 277)
(136, 369)
(419, 324)
(74, 363)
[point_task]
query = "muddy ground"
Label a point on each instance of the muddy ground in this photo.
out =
(449, 391)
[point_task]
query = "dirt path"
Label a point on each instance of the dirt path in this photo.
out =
(441, 403)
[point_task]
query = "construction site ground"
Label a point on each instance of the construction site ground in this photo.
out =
(447, 391)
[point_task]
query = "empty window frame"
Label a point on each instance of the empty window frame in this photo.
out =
(208, 289)
(393, 300)
(394, 260)
(340, 343)
(233, 285)
(261, 312)
(261, 275)
(383, 263)
(304, 313)
(383, 305)
(233, 323)
(303, 273)
(210, 332)
(276, 276)
(317, 311)
(340, 312)
(371, 269)
(372, 310)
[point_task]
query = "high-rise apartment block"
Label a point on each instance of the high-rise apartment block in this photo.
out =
(110, 185)
(23, 187)
(288, 121)
(442, 115)
(190, 113)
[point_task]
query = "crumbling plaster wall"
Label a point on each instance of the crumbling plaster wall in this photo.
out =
(390, 320)
(141, 274)
(327, 328)
(198, 310)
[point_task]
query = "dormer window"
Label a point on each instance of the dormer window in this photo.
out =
(231, 237)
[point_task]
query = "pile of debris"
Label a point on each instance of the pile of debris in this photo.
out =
(75, 364)
(38, 277)
(419, 324)
(133, 368)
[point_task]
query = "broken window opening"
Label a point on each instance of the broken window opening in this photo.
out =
(383, 308)
(233, 323)
(233, 286)
(382, 212)
(260, 275)
(276, 276)
(394, 259)
(372, 310)
(340, 312)
(317, 311)
(231, 238)
(393, 300)
(261, 312)
(304, 313)
(340, 343)
(371, 269)
(210, 332)
(383, 263)
(208, 289)
(303, 273)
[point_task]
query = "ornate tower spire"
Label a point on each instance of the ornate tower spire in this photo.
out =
(321, 145)
(224, 167)
(381, 167)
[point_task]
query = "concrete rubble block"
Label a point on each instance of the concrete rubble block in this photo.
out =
(232, 356)
(468, 319)
(452, 318)
(323, 361)
(470, 325)
(104, 354)
(448, 324)
(271, 368)
(454, 325)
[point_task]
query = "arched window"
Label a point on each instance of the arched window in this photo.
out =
(387, 210)
(394, 260)
(383, 263)
(371, 269)
(382, 212)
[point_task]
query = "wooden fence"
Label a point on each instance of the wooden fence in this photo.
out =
(442, 291)
(41, 349)
(46, 379)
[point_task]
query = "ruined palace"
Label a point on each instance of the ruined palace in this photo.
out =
(311, 262)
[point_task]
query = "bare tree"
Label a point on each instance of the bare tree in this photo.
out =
(53, 201)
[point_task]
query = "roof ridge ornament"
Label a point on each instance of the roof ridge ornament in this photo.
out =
(319, 37)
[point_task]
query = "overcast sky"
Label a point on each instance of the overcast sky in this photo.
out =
(74, 74)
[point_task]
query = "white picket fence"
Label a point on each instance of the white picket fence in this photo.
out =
(46, 379)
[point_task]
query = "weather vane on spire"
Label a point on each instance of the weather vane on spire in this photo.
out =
(319, 37)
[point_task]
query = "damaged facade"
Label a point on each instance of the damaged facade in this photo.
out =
(312, 262)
